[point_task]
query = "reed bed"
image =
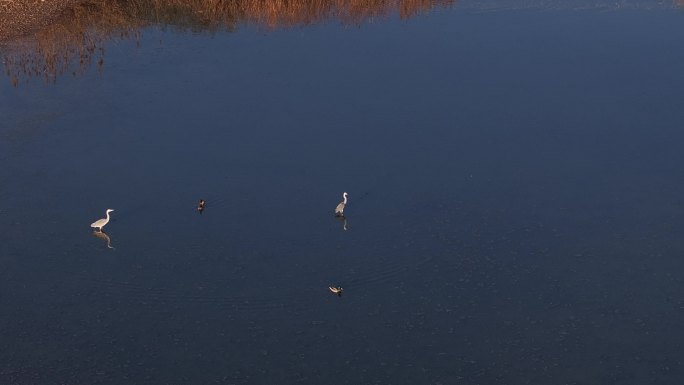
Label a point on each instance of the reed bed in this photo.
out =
(77, 39)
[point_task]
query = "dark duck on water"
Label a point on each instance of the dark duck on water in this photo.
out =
(336, 290)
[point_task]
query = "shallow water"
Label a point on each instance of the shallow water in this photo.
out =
(515, 210)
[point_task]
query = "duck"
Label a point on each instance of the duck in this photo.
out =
(200, 205)
(336, 290)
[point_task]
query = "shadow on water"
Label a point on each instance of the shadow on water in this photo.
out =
(76, 41)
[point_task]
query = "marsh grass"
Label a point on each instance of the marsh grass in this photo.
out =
(77, 40)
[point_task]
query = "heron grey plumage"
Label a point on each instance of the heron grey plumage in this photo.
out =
(100, 223)
(339, 210)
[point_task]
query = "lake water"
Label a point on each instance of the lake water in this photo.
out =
(515, 215)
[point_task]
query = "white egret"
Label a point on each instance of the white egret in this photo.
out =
(339, 210)
(100, 223)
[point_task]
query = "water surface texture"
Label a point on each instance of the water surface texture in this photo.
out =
(515, 216)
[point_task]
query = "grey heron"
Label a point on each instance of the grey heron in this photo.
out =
(339, 210)
(100, 223)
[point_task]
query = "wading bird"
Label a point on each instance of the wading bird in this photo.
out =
(100, 223)
(339, 210)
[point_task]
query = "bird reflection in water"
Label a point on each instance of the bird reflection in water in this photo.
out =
(102, 235)
(343, 220)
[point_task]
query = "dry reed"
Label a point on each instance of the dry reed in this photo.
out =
(79, 36)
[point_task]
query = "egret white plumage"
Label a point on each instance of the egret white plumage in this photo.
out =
(339, 210)
(100, 223)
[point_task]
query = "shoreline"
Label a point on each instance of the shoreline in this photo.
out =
(20, 18)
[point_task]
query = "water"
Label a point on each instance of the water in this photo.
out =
(515, 209)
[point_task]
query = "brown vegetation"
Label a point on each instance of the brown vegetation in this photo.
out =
(78, 36)
(20, 17)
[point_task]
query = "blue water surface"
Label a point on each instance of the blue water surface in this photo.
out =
(516, 205)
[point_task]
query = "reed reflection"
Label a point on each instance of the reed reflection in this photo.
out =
(102, 235)
(76, 41)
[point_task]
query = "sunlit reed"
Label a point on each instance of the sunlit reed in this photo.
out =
(76, 40)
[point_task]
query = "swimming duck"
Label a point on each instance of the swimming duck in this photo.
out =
(336, 290)
(200, 205)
